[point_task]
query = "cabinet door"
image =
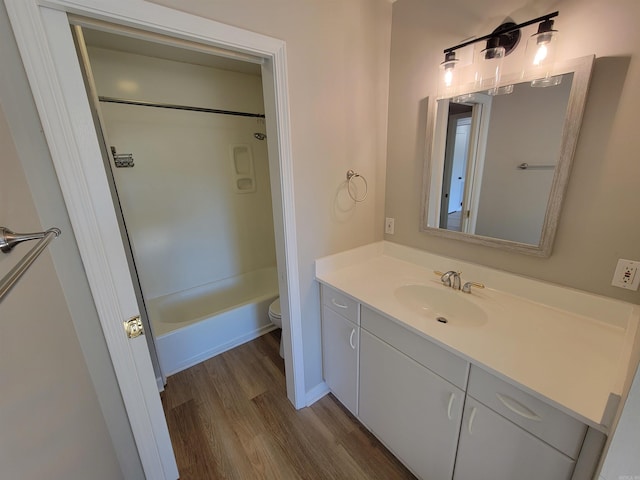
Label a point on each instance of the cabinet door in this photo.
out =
(493, 448)
(340, 340)
(413, 411)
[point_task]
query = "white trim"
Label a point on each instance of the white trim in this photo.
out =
(316, 393)
(46, 47)
(276, 99)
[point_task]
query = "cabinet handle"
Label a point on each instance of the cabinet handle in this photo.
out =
(339, 305)
(518, 408)
(452, 397)
(472, 417)
(353, 331)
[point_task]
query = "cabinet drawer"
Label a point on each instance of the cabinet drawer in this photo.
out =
(340, 303)
(537, 417)
(426, 353)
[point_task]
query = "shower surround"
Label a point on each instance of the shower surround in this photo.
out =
(196, 203)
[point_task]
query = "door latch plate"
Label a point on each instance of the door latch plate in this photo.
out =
(133, 327)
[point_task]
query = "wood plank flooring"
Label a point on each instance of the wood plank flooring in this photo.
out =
(229, 418)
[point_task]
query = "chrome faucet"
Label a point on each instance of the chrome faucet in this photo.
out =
(447, 277)
(454, 280)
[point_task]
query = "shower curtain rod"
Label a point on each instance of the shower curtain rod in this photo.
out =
(179, 107)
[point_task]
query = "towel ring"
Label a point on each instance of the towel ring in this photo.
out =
(350, 176)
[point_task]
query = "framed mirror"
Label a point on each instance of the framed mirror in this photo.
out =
(499, 165)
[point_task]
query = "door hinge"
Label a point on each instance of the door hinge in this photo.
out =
(133, 327)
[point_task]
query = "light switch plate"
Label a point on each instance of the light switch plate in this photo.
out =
(627, 275)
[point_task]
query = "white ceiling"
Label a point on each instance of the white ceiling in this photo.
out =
(122, 43)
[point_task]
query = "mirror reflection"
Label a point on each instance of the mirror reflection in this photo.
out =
(498, 172)
(499, 164)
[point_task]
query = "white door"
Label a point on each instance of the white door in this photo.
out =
(44, 39)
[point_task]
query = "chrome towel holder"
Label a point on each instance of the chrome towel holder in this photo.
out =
(351, 176)
(9, 239)
(526, 166)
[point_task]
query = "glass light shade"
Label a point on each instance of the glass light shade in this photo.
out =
(489, 70)
(540, 56)
(448, 83)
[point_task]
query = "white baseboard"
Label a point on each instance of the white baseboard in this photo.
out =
(160, 384)
(316, 393)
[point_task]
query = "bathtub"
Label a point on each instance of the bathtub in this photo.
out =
(196, 324)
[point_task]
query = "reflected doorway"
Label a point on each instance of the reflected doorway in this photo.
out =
(456, 166)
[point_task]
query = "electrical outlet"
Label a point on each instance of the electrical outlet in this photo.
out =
(389, 225)
(626, 274)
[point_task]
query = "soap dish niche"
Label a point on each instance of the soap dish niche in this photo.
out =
(244, 178)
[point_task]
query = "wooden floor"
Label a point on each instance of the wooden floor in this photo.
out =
(229, 418)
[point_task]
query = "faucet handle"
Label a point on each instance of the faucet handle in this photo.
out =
(445, 278)
(467, 286)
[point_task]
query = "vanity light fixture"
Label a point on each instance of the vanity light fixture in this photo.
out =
(540, 54)
(499, 44)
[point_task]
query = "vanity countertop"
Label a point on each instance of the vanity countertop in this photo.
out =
(570, 348)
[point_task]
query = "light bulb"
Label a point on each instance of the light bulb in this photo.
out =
(448, 77)
(447, 84)
(541, 54)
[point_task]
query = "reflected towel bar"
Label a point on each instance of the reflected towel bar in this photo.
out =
(526, 166)
(9, 239)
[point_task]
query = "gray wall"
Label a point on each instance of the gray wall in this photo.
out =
(597, 224)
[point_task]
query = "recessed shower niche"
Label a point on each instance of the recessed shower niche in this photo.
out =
(242, 162)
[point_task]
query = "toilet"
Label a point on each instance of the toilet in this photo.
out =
(275, 315)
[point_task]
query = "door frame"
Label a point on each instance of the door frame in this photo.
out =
(449, 162)
(42, 32)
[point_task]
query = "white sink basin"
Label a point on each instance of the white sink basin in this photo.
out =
(445, 305)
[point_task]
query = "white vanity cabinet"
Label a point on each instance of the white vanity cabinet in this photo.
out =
(538, 370)
(411, 393)
(340, 342)
(412, 410)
